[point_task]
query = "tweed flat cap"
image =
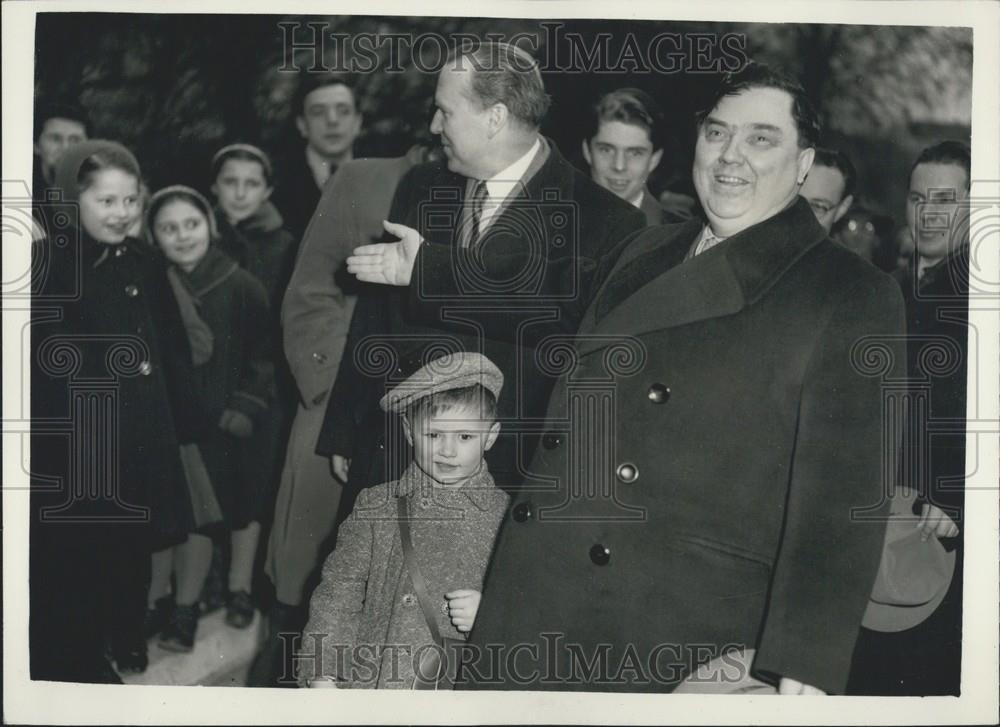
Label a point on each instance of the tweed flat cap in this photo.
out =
(454, 371)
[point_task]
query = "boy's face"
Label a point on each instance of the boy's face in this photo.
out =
(56, 137)
(241, 188)
(449, 444)
(621, 158)
(330, 120)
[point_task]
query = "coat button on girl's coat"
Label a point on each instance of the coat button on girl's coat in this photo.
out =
(551, 441)
(658, 393)
(145, 368)
(131, 291)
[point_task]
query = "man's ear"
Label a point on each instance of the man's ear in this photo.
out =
(805, 163)
(654, 160)
(499, 116)
(843, 207)
(300, 124)
(407, 430)
(492, 436)
(586, 152)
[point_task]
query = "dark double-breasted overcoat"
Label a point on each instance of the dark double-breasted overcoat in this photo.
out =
(720, 419)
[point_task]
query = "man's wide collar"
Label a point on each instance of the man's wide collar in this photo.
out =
(723, 280)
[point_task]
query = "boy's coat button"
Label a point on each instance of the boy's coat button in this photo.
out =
(409, 599)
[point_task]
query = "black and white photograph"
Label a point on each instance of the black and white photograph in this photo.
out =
(580, 363)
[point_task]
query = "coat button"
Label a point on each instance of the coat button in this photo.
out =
(444, 607)
(551, 441)
(409, 599)
(145, 368)
(600, 555)
(131, 291)
(658, 394)
(119, 251)
(522, 512)
(628, 473)
(319, 358)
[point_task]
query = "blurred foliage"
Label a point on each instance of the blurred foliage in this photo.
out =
(176, 87)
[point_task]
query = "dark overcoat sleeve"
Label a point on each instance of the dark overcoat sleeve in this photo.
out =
(827, 558)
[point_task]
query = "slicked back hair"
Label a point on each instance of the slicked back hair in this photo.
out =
(758, 75)
(503, 73)
(629, 106)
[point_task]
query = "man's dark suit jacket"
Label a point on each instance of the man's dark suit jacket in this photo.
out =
(528, 277)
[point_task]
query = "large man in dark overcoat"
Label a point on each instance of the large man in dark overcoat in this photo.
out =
(712, 444)
(497, 246)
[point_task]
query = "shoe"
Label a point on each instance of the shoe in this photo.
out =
(273, 666)
(239, 609)
(181, 629)
(131, 658)
(158, 616)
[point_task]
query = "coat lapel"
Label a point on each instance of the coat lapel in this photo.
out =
(659, 289)
(449, 192)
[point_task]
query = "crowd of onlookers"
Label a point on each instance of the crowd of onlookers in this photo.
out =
(237, 415)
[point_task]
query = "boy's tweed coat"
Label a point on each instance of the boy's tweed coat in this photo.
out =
(366, 599)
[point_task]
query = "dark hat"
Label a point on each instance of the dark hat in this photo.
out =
(161, 196)
(68, 167)
(913, 576)
(454, 371)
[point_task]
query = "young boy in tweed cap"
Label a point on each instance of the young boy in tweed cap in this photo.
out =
(367, 623)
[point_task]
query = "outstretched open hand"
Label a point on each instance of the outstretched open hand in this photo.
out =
(387, 263)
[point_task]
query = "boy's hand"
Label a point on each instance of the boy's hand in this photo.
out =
(463, 605)
(933, 521)
(236, 423)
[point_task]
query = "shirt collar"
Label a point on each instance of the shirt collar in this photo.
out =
(637, 202)
(501, 184)
(707, 240)
(319, 165)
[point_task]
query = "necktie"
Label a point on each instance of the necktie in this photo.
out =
(479, 195)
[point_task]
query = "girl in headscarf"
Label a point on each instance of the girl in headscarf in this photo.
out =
(113, 367)
(225, 312)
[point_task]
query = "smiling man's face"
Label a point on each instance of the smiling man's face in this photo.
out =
(747, 162)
